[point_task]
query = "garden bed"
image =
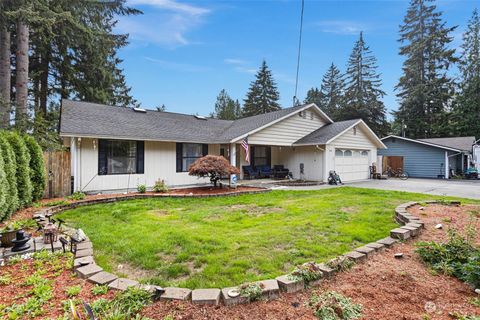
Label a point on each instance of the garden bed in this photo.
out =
(298, 183)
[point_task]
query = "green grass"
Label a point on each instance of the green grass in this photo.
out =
(219, 242)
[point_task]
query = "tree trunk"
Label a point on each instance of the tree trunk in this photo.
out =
(44, 69)
(5, 77)
(21, 85)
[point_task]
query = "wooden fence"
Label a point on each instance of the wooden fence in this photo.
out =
(59, 179)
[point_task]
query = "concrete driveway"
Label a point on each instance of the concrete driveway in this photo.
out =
(454, 188)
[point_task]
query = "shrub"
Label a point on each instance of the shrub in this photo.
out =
(334, 306)
(22, 157)
(10, 167)
(142, 188)
(77, 195)
(309, 271)
(160, 186)
(213, 167)
(251, 291)
(3, 190)
(37, 167)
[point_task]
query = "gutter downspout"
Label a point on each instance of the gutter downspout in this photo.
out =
(447, 165)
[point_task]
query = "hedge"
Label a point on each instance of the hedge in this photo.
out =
(37, 167)
(3, 189)
(22, 156)
(11, 172)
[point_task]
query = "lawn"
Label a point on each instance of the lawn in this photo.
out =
(225, 241)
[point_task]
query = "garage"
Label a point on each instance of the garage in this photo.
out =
(352, 164)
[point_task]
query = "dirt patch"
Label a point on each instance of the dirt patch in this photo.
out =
(349, 209)
(388, 288)
(254, 210)
(132, 272)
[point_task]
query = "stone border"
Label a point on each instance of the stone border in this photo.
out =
(86, 268)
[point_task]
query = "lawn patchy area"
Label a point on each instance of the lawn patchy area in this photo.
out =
(225, 241)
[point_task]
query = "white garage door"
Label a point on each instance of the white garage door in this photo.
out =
(352, 164)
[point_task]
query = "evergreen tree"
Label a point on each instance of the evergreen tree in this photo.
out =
(37, 167)
(238, 109)
(22, 157)
(330, 96)
(262, 96)
(467, 106)
(3, 190)
(363, 91)
(11, 171)
(225, 107)
(425, 89)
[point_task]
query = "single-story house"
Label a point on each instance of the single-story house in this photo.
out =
(117, 148)
(427, 158)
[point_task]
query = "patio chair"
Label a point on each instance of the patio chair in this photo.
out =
(280, 172)
(265, 171)
(249, 172)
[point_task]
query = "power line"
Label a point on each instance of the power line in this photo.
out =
(295, 100)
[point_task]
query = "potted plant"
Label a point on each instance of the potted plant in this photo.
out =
(8, 234)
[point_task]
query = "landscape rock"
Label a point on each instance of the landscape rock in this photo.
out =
(123, 284)
(290, 285)
(87, 271)
(356, 256)
(270, 290)
(326, 270)
(102, 278)
(206, 296)
(80, 262)
(83, 253)
(399, 233)
(366, 250)
(398, 255)
(388, 241)
(376, 245)
(172, 293)
(231, 301)
(439, 226)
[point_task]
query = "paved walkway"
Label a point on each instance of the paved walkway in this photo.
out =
(455, 188)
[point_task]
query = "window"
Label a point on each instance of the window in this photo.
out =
(347, 153)
(364, 153)
(355, 131)
(338, 153)
(188, 153)
(120, 157)
(261, 156)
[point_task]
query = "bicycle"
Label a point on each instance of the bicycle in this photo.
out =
(398, 173)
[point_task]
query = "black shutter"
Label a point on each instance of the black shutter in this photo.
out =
(252, 156)
(179, 157)
(204, 149)
(269, 156)
(140, 156)
(102, 157)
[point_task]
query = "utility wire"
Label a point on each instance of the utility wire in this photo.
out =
(295, 100)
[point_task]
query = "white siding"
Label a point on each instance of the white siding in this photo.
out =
(289, 130)
(291, 157)
(160, 163)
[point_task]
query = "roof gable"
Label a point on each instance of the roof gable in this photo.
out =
(426, 143)
(461, 143)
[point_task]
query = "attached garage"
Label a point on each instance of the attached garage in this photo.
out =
(352, 164)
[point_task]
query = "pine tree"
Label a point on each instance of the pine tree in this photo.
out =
(225, 107)
(262, 96)
(11, 172)
(425, 89)
(330, 96)
(363, 91)
(467, 106)
(5, 71)
(238, 109)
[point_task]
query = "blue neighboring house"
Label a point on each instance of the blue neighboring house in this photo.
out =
(427, 158)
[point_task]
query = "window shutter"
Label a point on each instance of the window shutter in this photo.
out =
(252, 157)
(204, 149)
(179, 157)
(140, 157)
(102, 157)
(269, 156)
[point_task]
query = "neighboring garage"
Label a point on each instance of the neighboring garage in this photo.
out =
(424, 159)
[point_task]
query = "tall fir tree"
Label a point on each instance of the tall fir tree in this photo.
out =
(225, 107)
(467, 105)
(425, 89)
(331, 94)
(363, 93)
(238, 109)
(263, 95)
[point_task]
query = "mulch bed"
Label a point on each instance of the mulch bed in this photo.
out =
(388, 288)
(28, 213)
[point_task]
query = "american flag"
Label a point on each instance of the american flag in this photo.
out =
(245, 146)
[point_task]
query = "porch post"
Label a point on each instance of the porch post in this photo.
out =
(325, 165)
(447, 165)
(73, 161)
(233, 162)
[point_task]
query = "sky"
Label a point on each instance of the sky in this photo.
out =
(182, 53)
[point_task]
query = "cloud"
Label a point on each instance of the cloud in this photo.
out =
(235, 61)
(240, 65)
(343, 27)
(167, 23)
(184, 67)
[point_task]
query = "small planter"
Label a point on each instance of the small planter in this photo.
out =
(7, 238)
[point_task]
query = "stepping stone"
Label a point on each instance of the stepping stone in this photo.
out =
(414, 225)
(366, 250)
(290, 285)
(376, 245)
(399, 233)
(326, 270)
(413, 231)
(231, 301)
(102, 278)
(84, 245)
(123, 284)
(417, 221)
(83, 253)
(356, 256)
(88, 271)
(270, 290)
(81, 262)
(388, 241)
(206, 296)
(172, 293)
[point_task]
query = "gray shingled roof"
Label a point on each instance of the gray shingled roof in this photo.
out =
(460, 143)
(97, 120)
(325, 133)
